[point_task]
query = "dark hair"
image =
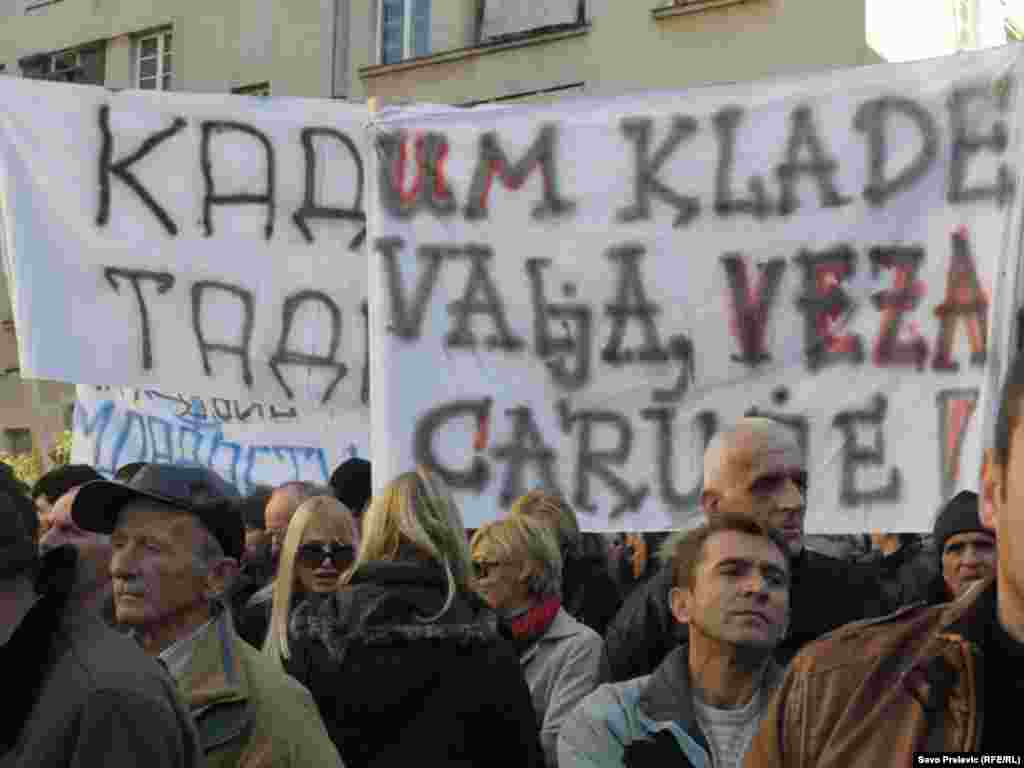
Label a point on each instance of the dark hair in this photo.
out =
(17, 492)
(351, 482)
(253, 507)
(689, 550)
(8, 480)
(1013, 389)
(59, 481)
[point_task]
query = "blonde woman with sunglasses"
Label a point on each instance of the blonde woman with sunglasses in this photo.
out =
(317, 550)
(406, 663)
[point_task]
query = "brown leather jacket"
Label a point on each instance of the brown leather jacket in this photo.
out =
(875, 692)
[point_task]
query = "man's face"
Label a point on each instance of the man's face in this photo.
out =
(94, 549)
(740, 595)
(158, 588)
(967, 558)
(764, 476)
(280, 509)
(1002, 511)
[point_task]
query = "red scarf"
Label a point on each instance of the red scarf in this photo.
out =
(536, 620)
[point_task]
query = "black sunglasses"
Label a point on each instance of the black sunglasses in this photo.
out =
(314, 553)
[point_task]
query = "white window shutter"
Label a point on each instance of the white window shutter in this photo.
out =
(513, 17)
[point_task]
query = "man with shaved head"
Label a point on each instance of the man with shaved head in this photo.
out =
(754, 468)
(757, 469)
(281, 508)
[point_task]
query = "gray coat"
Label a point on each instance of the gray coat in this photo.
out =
(99, 701)
(560, 669)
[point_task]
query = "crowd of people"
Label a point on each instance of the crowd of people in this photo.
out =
(161, 619)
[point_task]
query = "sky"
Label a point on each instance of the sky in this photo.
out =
(1015, 10)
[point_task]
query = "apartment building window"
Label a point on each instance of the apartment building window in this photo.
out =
(18, 441)
(154, 66)
(501, 19)
(79, 65)
(35, 5)
(258, 89)
(405, 29)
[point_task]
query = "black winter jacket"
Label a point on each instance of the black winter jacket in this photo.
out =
(589, 593)
(642, 632)
(394, 690)
(827, 593)
(79, 694)
(907, 575)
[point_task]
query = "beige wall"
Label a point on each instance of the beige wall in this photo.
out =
(37, 406)
(218, 44)
(625, 48)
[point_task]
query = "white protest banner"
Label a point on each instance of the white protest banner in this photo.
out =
(578, 295)
(247, 443)
(201, 243)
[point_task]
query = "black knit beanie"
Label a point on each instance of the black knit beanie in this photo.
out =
(960, 515)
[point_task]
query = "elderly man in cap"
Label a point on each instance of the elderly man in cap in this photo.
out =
(177, 539)
(76, 693)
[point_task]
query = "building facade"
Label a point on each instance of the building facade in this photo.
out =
(256, 47)
(462, 52)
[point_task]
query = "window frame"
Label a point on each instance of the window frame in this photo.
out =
(582, 20)
(258, 90)
(35, 5)
(163, 50)
(44, 66)
(51, 60)
(408, 43)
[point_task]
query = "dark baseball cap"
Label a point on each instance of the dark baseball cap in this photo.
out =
(197, 490)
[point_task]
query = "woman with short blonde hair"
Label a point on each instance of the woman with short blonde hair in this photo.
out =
(405, 643)
(588, 591)
(518, 567)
